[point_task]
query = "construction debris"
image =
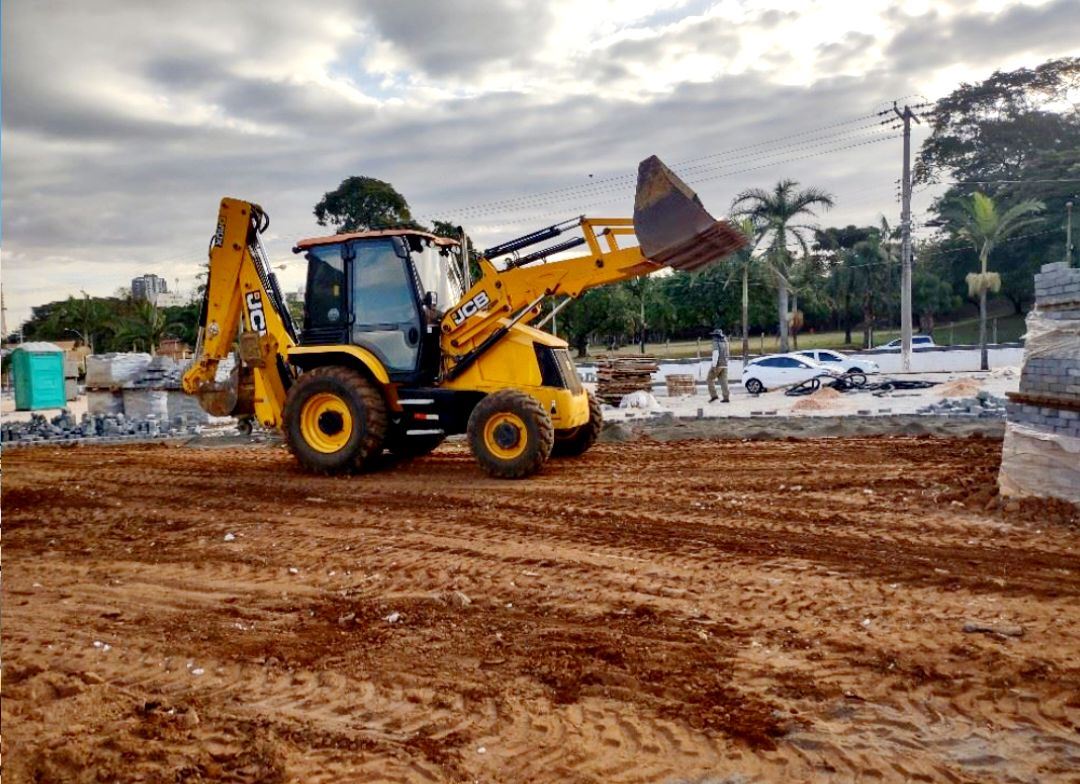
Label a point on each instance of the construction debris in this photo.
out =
(619, 376)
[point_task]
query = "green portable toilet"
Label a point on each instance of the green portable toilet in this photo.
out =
(38, 370)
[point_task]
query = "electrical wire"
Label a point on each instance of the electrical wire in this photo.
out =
(815, 134)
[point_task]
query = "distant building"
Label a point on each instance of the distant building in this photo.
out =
(148, 287)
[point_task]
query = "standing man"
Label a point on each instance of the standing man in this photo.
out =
(719, 365)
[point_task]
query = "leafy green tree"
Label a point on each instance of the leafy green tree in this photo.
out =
(143, 327)
(362, 203)
(775, 213)
(835, 246)
(86, 317)
(930, 296)
(605, 312)
(978, 221)
(1016, 135)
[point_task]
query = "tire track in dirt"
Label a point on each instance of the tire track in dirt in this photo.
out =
(647, 612)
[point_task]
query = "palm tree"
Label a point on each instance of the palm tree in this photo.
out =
(742, 260)
(146, 325)
(774, 212)
(978, 221)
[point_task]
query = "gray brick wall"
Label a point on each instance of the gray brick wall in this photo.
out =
(1057, 295)
(1051, 376)
(1049, 420)
(1057, 284)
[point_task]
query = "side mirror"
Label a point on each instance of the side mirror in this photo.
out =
(431, 299)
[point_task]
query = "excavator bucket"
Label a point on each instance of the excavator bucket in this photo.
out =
(672, 226)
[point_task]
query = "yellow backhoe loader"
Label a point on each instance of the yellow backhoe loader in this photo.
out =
(393, 354)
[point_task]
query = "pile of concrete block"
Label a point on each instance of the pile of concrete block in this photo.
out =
(64, 427)
(140, 387)
(984, 406)
(1041, 453)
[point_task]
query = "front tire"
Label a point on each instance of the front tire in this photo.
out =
(578, 440)
(335, 420)
(754, 387)
(510, 434)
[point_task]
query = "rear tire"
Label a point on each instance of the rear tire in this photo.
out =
(510, 434)
(578, 440)
(335, 420)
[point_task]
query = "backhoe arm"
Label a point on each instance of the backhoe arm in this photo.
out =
(243, 310)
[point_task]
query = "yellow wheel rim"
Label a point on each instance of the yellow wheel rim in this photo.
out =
(505, 435)
(326, 422)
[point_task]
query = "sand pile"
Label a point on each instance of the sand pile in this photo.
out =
(822, 400)
(961, 387)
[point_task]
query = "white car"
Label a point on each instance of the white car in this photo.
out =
(841, 362)
(781, 370)
(917, 342)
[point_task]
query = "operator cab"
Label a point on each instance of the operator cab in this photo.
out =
(385, 291)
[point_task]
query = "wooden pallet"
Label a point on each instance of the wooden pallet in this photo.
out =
(617, 377)
(681, 385)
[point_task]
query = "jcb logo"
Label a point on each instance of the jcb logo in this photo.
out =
(219, 234)
(470, 308)
(256, 316)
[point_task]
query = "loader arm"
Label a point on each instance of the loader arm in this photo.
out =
(501, 294)
(671, 225)
(243, 311)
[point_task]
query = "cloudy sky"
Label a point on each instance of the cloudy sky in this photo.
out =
(124, 122)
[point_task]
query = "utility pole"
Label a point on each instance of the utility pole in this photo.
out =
(907, 115)
(1068, 233)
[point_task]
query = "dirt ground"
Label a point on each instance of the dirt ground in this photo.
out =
(718, 611)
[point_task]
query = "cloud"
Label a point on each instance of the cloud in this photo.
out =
(458, 38)
(932, 39)
(125, 123)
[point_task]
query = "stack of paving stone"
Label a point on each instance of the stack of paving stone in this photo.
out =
(619, 376)
(1041, 453)
(64, 427)
(984, 406)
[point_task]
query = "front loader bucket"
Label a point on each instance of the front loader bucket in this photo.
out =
(672, 226)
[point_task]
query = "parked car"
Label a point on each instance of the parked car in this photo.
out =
(917, 342)
(841, 362)
(781, 370)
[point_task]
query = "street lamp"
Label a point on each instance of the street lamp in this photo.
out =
(81, 337)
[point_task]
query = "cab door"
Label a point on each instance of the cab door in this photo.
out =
(385, 304)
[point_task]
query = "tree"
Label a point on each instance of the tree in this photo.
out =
(930, 295)
(144, 326)
(835, 246)
(995, 128)
(774, 213)
(362, 203)
(978, 221)
(1016, 135)
(87, 317)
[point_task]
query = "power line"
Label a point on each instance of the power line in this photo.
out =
(816, 134)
